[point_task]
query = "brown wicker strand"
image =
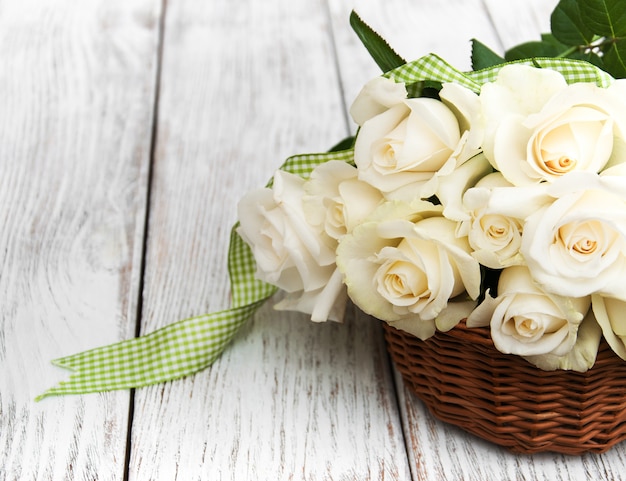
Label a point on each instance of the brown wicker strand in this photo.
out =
(464, 380)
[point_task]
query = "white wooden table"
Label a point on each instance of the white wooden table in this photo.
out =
(128, 131)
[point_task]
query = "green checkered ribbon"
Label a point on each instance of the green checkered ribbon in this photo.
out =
(433, 68)
(187, 346)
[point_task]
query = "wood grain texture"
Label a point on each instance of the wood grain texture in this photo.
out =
(77, 87)
(520, 21)
(243, 87)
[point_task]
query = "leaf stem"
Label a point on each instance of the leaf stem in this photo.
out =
(569, 51)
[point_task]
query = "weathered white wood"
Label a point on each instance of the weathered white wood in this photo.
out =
(244, 85)
(520, 21)
(76, 95)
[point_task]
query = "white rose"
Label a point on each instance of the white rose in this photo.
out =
(405, 265)
(496, 214)
(335, 200)
(581, 357)
(576, 245)
(399, 150)
(537, 128)
(527, 321)
(289, 252)
(375, 97)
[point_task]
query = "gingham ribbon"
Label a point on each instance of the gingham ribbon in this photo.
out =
(431, 67)
(187, 346)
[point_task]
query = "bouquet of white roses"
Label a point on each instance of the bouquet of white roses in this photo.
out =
(496, 196)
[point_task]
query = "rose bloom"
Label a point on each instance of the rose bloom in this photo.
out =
(405, 265)
(538, 128)
(496, 211)
(335, 200)
(494, 237)
(399, 150)
(527, 321)
(289, 252)
(576, 245)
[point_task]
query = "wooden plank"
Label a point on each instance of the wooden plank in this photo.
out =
(441, 451)
(245, 85)
(520, 21)
(77, 85)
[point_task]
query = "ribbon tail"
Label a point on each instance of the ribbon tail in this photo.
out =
(187, 346)
(171, 352)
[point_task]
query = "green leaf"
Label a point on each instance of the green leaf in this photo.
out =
(344, 144)
(567, 25)
(483, 56)
(605, 17)
(415, 90)
(531, 50)
(595, 60)
(552, 40)
(589, 57)
(615, 59)
(384, 56)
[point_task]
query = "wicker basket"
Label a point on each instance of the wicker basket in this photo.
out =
(465, 381)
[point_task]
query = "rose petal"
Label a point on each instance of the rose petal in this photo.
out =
(325, 303)
(359, 201)
(422, 329)
(610, 316)
(481, 315)
(375, 97)
(451, 187)
(453, 313)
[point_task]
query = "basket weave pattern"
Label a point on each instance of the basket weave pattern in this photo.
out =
(464, 380)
